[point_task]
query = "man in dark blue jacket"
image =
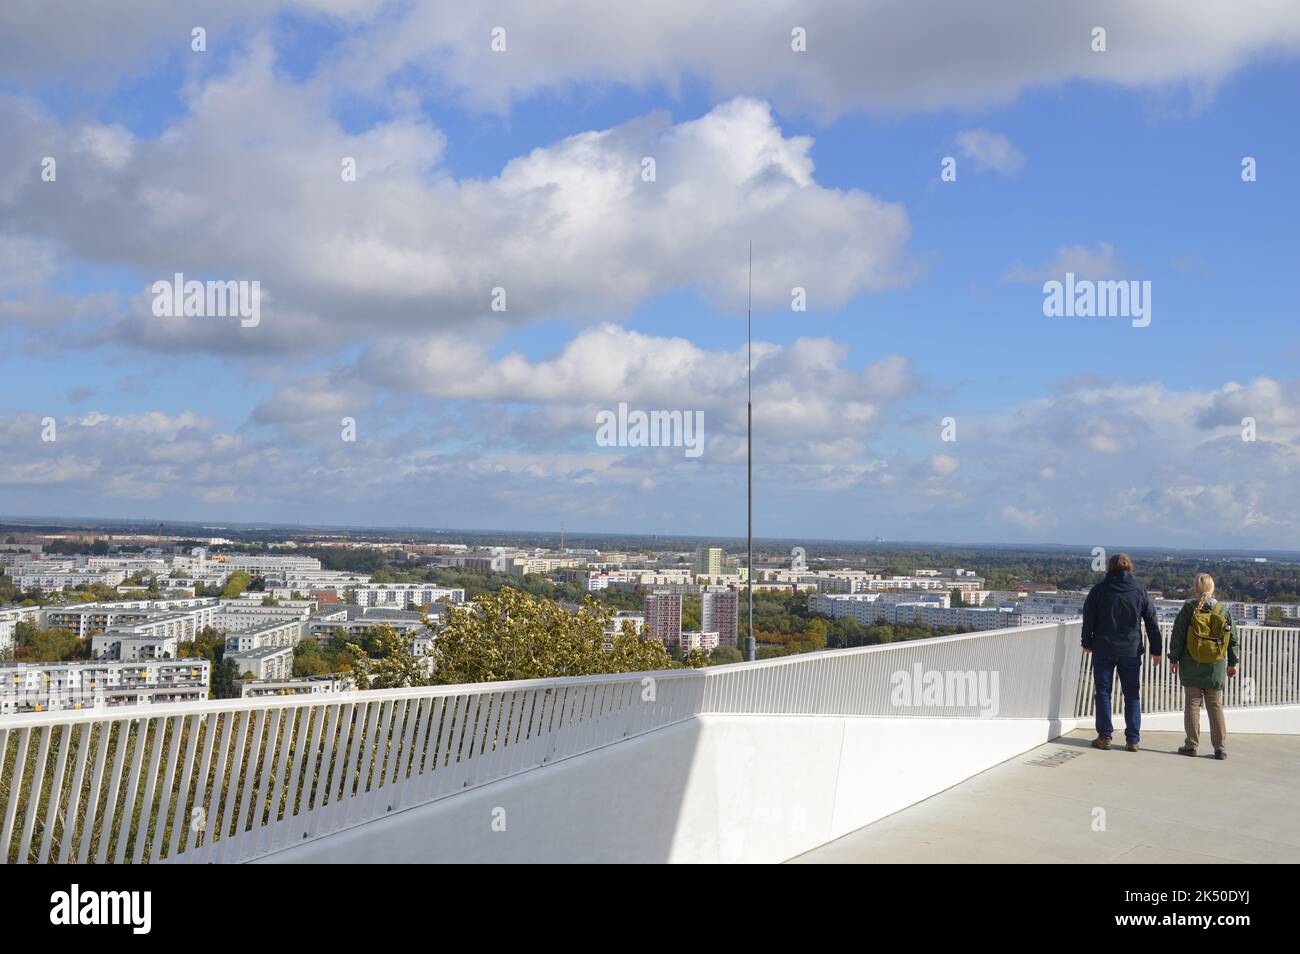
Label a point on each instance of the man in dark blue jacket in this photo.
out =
(1113, 614)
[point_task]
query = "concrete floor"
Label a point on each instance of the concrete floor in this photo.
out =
(1152, 806)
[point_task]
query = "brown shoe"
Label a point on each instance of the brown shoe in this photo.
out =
(1187, 750)
(1220, 754)
(1101, 742)
(1131, 747)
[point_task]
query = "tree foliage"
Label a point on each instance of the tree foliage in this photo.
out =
(515, 635)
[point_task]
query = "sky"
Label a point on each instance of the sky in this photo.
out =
(502, 268)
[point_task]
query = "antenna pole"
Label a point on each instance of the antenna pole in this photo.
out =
(749, 458)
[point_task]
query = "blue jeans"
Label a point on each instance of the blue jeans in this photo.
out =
(1103, 678)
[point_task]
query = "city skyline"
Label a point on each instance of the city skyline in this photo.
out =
(523, 170)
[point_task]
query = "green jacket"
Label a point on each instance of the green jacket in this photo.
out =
(1198, 674)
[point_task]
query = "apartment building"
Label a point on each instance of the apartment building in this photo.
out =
(135, 642)
(708, 561)
(263, 662)
(522, 566)
(400, 595)
(39, 687)
(31, 576)
(705, 642)
(663, 617)
(273, 633)
(296, 686)
(238, 615)
(720, 613)
(10, 617)
(183, 617)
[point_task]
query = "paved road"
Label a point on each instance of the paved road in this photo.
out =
(1153, 806)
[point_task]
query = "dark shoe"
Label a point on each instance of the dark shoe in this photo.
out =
(1220, 754)
(1131, 747)
(1101, 742)
(1187, 750)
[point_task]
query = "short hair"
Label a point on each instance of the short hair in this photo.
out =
(1120, 563)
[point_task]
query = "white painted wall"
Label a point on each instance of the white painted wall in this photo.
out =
(712, 789)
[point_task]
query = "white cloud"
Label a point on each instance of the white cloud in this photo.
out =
(990, 152)
(800, 389)
(247, 186)
(1028, 519)
(1096, 262)
(875, 54)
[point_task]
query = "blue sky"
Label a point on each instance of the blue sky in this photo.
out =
(925, 296)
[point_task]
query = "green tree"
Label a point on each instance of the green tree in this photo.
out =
(225, 680)
(696, 659)
(309, 660)
(515, 635)
(236, 584)
(725, 654)
(388, 662)
(33, 644)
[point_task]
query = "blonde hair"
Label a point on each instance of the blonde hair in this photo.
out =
(1203, 589)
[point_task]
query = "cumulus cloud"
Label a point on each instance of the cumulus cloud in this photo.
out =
(875, 54)
(247, 186)
(800, 388)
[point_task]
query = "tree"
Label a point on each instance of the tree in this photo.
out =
(696, 659)
(225, 678)
(388, 662)
(725, 654)
(515, 635)
(235, 584)
(33, 644)
(308, 660)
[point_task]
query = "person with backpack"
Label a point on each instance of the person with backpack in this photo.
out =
(1203, 654)
(1114, 614)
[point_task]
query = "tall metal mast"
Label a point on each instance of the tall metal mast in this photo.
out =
(749, 457)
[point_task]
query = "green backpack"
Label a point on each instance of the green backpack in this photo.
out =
(1208, 633)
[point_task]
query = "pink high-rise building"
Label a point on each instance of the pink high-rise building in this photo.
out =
(663, 618)
(720, 613)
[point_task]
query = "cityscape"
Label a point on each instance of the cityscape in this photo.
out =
(787, 433)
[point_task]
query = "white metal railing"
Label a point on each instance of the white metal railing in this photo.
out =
(232, 780)
(1268, 675)
(1030, 672)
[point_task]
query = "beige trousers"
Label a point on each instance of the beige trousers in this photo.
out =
(1192, 716)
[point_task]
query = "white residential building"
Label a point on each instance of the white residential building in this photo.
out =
(264, 662)
(27, 687)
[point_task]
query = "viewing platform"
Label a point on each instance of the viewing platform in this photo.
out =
(912, 751)
(1066, 802)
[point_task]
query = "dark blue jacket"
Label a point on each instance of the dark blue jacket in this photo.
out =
(1112, 615)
